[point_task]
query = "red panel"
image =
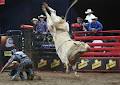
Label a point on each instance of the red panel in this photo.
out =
(2, 2)
(76, 25)
(26, 26)
(109, 31)
(100, 54)
(105, 44)
(105, 49)
(96, 37)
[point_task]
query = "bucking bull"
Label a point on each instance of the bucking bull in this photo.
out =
(67, 49)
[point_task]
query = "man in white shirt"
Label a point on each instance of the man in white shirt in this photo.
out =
(89, 15)
(88, 18)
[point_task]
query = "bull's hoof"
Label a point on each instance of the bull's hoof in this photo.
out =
(76, 74)
(39, 78)
(67, 71)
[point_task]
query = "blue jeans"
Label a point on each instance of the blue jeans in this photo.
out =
(26, 66)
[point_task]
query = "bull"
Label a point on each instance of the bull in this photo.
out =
(67, 49)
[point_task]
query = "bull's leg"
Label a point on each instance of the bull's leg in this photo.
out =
(45, 6)
(49, 20)
(67, 68)
(75, 70)
(73, 61)
(54, 17)
(50, 24)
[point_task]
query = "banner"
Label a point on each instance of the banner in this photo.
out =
(2, 2)
(98, 64)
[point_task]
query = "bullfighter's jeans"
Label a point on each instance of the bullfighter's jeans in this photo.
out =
(26, 66)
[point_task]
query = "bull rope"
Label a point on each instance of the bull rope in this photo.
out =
(75, 1)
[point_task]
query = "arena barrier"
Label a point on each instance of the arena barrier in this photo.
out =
(42, 50)
(102, 57)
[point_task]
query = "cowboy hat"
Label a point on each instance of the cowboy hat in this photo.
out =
(88, 11)
(41, 16)
(94, 17)
(14, 64)
(34, 19)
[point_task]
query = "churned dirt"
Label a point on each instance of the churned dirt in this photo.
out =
(59, 78)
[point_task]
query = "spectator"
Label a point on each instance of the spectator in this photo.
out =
(78, 26)
(95, 25)
(9, 42)
(40, 25)
(89, 15)
(80, 21)
(34, 21)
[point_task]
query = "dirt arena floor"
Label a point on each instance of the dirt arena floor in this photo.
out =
(55, 78)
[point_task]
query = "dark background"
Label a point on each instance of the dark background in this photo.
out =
(105, 10)
(17, 12)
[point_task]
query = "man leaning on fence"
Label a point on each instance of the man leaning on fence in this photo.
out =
(40, 25)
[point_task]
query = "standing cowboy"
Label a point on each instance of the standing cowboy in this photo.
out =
(95, 25)
(41, 25)
(89, 13)
(88, 19)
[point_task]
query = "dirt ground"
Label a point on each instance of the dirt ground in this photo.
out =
(58, 78)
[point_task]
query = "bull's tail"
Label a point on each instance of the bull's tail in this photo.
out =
(75, 1)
